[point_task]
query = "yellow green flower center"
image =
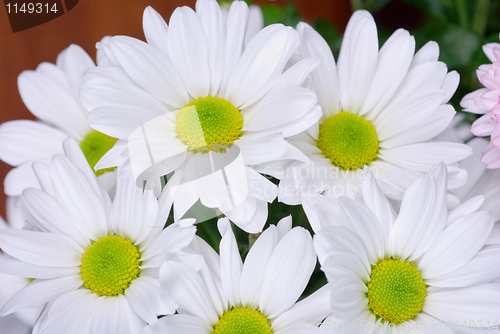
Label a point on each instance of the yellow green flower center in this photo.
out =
(209, 124)
(242, 320)
(94, 146)
(396, 291)
(109, 265)
(348, 140)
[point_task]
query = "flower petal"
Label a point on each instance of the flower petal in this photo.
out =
(41, 291)
(457, 245)
(287, 273)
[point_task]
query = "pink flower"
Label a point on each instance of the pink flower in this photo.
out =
(486, 101)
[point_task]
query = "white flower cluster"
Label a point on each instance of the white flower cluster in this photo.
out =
(217, 115)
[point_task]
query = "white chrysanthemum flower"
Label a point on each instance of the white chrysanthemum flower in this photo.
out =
(259, 296)
(484, 182)
(397, 274)
(381, 108)
(95, 263)
(51, 94)
(203, 92)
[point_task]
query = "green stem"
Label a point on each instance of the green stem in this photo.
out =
(462, 13)
(480, 16)
(357, 4)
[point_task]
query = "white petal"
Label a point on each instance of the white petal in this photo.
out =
(23, 141)
(76, 307)
(114, 157)
(189, 51)
(210, 16)
(73, 61)
(155, 29)
(143, 296)
(12, 266)
(280, 110)
(260, 187)
(255, 22)
(393, 62)
(230, 263)
(427, 53)
(287, 273)
(237, 20)
(43, 212)
(423, 155)
(481, 269)
(112, 86)
(45, 249)
(20, 178)
(422, 217)
(254, 268)
(348, 299)
(169, 241)
(188, 290)
(363, 222)
(120, 121)
(312, 309)
(457, 245)
(151, 70)
(375, 200)
(323, 80)
(74, 192)
(426, 129)
(334, 239)
(272, 46)
(179, 323)
(41, 291)
(393, 180)
(113, 315)
(357, 60)
(450, 85)
(51, 101)
(259, 150)
(465, 209)
(475, 303)
(402, 114)
(134, 211)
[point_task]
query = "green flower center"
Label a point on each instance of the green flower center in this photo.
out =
(109, 265)
(209, 124)
(242, 320)
(94, 146)
(396, 291)
(348, 140)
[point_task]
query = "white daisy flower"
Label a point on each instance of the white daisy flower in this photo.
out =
(51, 94)
(196, 97)
(381, 108)
(426, 266)
(259, 296)
(95, 263)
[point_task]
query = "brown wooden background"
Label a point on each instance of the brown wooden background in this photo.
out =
(86, 24)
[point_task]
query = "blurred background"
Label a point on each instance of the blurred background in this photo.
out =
(461, 27)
